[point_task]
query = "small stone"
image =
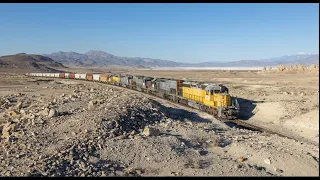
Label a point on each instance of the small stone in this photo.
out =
(121, 137)
(52, 113)
(19, 105)
(103, 174)
(45, 112)
(7, 173)
(133, 132)
(267, 161)
(278, 170)
(237, 166)
(82, 164)
(189, 123)
(13, 113)
(120, 173)
(241, 159)
(23, 112)
(90, 105)
(149, 131)
(93, 159)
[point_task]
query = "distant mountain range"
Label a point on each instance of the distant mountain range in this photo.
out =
(303, 59)
(101, 58)
(57, 62)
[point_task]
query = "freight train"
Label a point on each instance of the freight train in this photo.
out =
(212, 98)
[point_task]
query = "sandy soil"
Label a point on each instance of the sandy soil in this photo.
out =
(190, 143)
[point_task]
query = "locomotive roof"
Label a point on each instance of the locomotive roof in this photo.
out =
(164, 79)
(212, 87)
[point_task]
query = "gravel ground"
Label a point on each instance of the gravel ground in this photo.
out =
(76, 128)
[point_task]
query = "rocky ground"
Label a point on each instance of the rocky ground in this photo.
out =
(55, 127)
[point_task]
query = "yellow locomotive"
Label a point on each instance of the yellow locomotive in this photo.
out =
(213, 98)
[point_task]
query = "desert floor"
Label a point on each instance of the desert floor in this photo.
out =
(61, 127)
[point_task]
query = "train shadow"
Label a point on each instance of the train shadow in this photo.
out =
(246, 108)
(180, 114)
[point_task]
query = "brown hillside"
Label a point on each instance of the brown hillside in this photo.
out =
(28, 63)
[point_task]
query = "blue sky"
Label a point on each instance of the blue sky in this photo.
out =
(178, 32)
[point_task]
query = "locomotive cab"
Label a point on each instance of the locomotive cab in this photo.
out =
(218, 97)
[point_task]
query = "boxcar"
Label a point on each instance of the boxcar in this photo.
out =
(83, 76)
(96, 77)
(77, 76)
(104, 77)
(56, 74)
(71, 76)
(61, 75)
(51, 74)
(66, 75)
(89, 77)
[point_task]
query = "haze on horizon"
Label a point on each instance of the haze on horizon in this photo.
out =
(178, 32)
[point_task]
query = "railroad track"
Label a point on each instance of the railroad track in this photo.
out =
(237, 122)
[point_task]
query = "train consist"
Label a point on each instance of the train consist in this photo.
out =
(212, 98)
